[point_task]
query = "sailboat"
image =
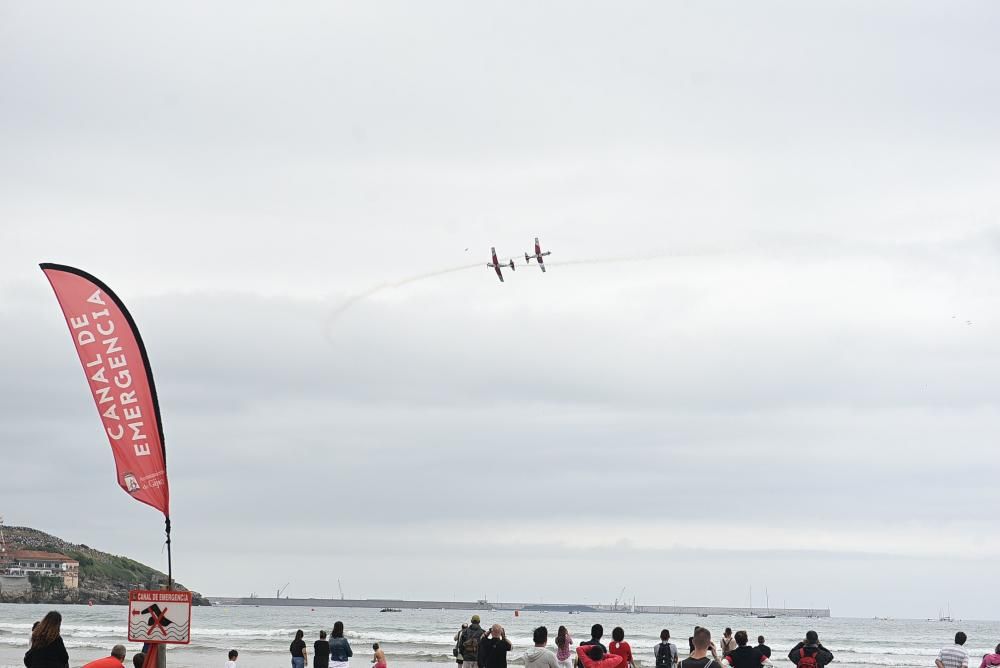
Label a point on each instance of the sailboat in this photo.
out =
(767, 602)
(946, 618)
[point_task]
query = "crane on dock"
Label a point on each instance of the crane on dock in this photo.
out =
(620, 597)
(280, 591)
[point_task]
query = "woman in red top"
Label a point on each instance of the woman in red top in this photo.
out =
(621, 648)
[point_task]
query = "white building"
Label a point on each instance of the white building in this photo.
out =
(27, 562)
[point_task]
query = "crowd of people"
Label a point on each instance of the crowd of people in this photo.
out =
(489, 648)
(481, 648)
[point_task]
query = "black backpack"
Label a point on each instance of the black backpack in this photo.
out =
(664, 659)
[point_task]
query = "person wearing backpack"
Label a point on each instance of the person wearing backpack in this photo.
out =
(699, 658)
(468, 642)
(810, 654)
(665, 652)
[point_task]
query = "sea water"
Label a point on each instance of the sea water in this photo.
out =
(416, 638)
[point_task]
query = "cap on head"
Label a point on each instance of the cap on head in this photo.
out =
(475, 619)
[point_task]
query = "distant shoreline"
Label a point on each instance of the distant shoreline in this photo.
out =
(486, 606)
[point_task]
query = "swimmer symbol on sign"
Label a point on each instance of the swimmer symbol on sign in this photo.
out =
(157, 619)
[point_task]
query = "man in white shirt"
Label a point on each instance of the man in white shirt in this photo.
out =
(539, 656)
(954, 656)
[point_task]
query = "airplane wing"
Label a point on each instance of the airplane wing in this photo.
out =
(499, 274)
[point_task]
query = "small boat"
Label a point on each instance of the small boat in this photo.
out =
(390, 610)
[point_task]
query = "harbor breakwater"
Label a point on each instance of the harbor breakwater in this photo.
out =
(484, 606)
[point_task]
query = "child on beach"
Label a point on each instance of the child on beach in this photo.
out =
(563, 642)
(379, 658)
(621, 648)
(233, 655)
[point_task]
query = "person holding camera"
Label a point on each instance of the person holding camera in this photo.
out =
(493, 648)
(810, 653)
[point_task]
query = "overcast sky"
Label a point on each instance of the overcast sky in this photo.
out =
(790, 382)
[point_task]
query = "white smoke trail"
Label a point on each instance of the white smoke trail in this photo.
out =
(336, 313)
(339, 311)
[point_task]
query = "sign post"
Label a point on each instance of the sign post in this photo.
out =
(159, 617)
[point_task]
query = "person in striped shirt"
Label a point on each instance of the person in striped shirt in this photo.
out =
(954, 656)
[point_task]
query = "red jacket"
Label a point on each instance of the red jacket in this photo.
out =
(609, 660)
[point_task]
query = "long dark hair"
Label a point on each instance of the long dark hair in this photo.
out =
(299, 634)
(561, 636)
(338, 630)
(47, 630)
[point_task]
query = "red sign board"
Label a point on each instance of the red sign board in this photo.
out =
(159, 616)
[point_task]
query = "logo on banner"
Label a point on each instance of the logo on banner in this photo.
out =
(159, 616)
(131, 484)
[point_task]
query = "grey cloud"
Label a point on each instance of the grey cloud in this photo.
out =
(817, 185)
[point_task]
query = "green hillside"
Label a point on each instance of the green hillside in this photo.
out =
(104, 578)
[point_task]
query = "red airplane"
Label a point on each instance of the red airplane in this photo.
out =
(537, 256)
(496, 264)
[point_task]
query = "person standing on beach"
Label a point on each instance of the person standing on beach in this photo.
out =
(621, 648)
(711, 645)
(954, 656)
(666, 651)
(468, 642)
(699, 658)
(493, 648)
(743, 656)
(539, 656)
(762, 648)
(728, 643)
(811, 654)
(340, 649)
(298, 650)
(457, 650)
(47, 648)
(379, 657)
(596, 633)
(321, 652)
(563, 644)
(116, 660)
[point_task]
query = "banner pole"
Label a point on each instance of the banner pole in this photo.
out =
(170, 566)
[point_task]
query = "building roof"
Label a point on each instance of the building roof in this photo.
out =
(22, 555)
